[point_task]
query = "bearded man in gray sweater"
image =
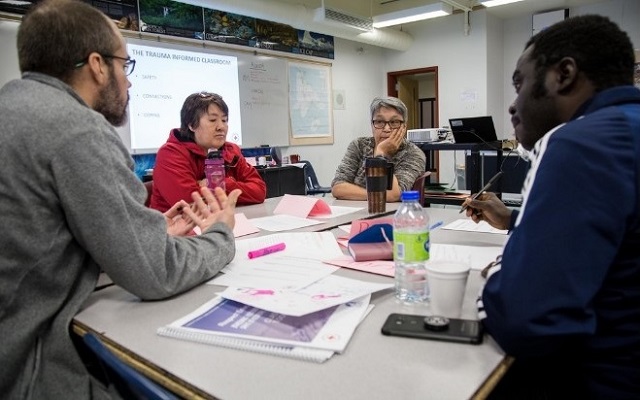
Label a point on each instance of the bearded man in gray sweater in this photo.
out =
(72, 206)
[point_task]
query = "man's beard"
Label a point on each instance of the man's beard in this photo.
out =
(109, 103)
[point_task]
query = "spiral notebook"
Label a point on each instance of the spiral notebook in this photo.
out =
(311, 337)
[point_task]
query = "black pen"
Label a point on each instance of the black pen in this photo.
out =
(484, 189)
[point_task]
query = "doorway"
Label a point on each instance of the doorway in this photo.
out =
(418, 90)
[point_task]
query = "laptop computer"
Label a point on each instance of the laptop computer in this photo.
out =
(473, 130)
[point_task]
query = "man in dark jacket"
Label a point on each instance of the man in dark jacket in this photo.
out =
(565, 297)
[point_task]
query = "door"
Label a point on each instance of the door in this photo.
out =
(407, 86)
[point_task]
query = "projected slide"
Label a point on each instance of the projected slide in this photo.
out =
(161, 81)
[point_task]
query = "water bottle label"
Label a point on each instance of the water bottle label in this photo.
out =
(411, 246)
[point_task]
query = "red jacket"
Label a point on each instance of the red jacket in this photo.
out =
(180, 167)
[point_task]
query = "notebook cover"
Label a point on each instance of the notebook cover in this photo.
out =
(374, 243)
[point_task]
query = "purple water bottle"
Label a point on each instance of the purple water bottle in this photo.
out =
(214, 170)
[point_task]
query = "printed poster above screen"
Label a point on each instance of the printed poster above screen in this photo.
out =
(163, 79)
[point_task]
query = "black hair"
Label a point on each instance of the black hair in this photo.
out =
(55, 35)
(194, 106)
(601, 50)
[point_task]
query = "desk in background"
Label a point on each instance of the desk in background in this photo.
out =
(286, 179)
(473, 166)
(373, 365)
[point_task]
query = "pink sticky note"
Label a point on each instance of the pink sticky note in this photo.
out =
(360, 225)
(302, 206)
(243, 226)
(385, 268)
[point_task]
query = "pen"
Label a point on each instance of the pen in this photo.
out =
(266, 250)
(436, 225)
(484, 189)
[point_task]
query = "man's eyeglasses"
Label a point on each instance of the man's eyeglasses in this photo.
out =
(128, 66)
(394, 124)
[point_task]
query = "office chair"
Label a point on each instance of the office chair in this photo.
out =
(130, 383)
(311, 180)
(418, 185)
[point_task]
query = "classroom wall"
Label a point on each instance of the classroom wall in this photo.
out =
(9, 68)
(516, 32)
(474, 73)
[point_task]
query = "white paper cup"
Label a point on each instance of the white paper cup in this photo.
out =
(447, 281)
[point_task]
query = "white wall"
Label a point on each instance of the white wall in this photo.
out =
(9, 68)
(359, 71)
(474, 73)
(516, 32)
(462, 70)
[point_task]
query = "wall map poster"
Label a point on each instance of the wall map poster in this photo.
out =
(171, 18)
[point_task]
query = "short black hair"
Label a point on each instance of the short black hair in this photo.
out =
(194, 106)
(600, 48)
(55, 35)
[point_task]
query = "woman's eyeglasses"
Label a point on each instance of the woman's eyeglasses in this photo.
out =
(380, 124)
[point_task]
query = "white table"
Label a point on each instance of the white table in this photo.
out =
(373, 366)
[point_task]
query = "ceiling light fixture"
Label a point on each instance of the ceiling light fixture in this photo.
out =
(493, 3)
(412, 15)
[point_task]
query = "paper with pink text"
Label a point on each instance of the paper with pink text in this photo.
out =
(328, 292)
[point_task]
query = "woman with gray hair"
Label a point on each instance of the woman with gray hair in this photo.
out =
(388, 140)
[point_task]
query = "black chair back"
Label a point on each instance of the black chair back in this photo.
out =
(311, 180)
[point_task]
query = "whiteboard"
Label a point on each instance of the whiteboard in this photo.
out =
(263, 92)
(262, 80)
(264, 101)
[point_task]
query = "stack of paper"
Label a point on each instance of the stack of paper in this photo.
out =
(285, 303)
(312, 337)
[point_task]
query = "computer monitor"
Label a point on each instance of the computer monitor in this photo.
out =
(473, 130)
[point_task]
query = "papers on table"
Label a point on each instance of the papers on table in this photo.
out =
(312, 337)
(292, 212)
(386, 268)
(477, 256)
(310, 207)
(298, 266)
(337, 211)
(468, 225)
(327, 292)
(302, 206)
(243, 226)
(279, 223)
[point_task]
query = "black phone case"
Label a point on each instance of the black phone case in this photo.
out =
(413, 326)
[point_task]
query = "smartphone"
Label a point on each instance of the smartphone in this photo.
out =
(434, 327)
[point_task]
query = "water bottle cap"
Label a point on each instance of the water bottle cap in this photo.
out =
(409, 195)
(214, 154)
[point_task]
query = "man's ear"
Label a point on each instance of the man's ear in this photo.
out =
(566, 74)
(98, 68)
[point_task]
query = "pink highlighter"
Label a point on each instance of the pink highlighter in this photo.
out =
(266, 250)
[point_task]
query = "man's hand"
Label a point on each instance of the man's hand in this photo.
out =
(208, 208)
(176, 224)
(488, 207)
(203, 212)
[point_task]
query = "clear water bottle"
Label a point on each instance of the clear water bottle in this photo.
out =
(411, 249)
(214, 170)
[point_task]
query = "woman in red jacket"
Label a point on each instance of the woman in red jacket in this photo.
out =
(179, 168)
